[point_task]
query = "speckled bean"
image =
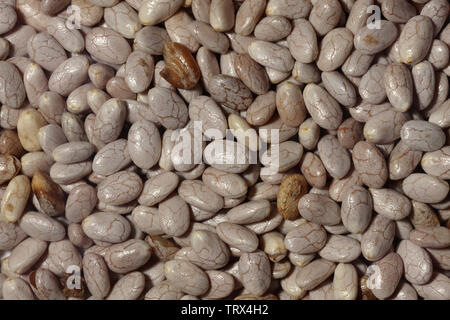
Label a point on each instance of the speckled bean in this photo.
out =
(41, 226)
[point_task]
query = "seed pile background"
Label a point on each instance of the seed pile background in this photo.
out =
(97, 94)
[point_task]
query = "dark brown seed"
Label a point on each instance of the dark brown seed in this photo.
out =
(10, 144)
(181, 69)
(49, 194)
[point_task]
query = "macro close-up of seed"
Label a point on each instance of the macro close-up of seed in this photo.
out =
(224, 150)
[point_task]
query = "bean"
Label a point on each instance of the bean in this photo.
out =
(96, 275)
(111, 158)
(422, 135)
(155, 11)
(49, 195)
(91, 14)
(122, 18)
(35, 82)
(164, 291)
(334, 156)
(388, 273)
(200, 10)
(28, 125)
(15, 198)
(158, 188)
(378, 238)
(36, 161)
(425, 188)
(404, 292)
(209, 38)
(306, 238)
(435, 163)
(288, 8)
(73, 127)
(374, 40)
(292, 188)
(416, 39)
(107, 45)
(398, 11)
(302, 42)
(80, 203)
(221, 284)
(127, 256)
(309, 134)
(41, 226)
(73, 152)
(370, 164)
(416, 261)
(402, 161)
(118, 231)
(324, 109)
(10, 18)
(46, 285)
(356, 209)
(273, 28)
(339, 88)
(231, 92)
(271, 55)
(340, 249)
(26, 254)
(70, 39)
(70, 173)
(439, 116)
(252, 74)
(289, 155)
(174, 215)
(385, 127)
(436, 288)
(210, 251)
(77, 236)
(46, 51)
(168, 107)
(314, 274)
(129, 287)
(334, 48)
(319, 209)
(221, 15)
(313, 170)
(254, 271)
(325, 15)
(290, 104)
(372, 87)
(345, 282)
(431, 237)
(195, 192)
(398, 83)
(16, 289)
(9, 167)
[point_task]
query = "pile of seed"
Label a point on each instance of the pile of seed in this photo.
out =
(98, 200)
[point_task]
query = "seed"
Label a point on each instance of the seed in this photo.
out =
(181, 69)
(292, 188)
